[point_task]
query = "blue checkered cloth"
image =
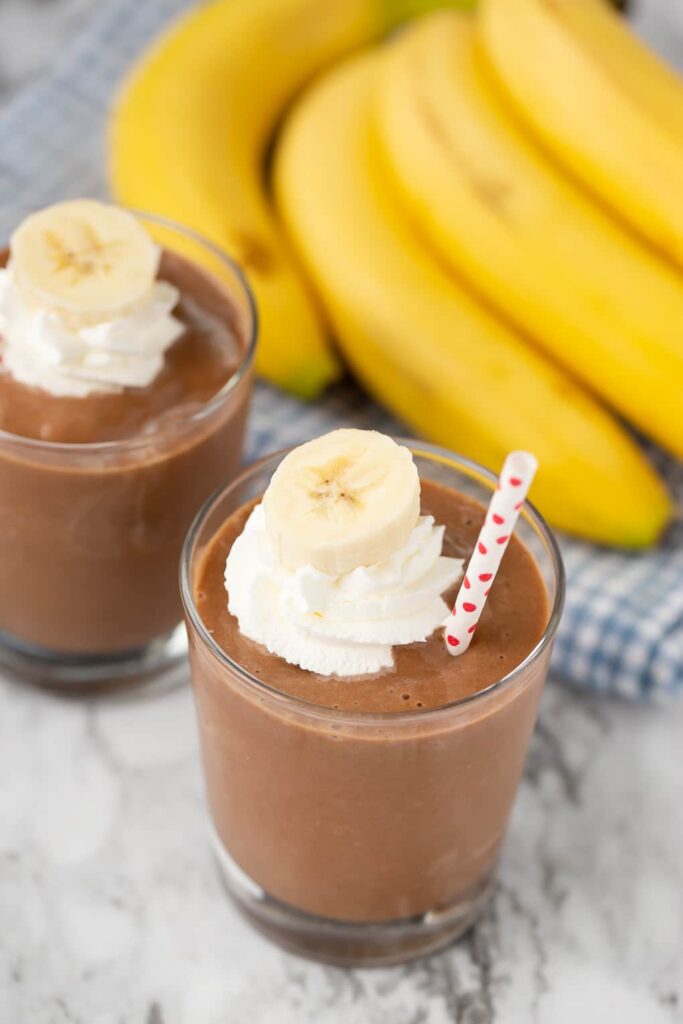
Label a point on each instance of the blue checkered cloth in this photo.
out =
(622, 631)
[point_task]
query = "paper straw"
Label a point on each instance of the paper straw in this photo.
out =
(501, 516)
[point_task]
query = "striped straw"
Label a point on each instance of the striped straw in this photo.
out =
(502, 514)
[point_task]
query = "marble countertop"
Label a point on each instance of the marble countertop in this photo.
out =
(110, 909)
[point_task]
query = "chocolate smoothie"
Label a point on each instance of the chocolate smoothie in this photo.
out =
(97, 492)
(378, 798)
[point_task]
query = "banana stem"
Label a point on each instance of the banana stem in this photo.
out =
(398, 11)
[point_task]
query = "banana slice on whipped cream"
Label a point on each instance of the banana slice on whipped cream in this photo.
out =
(336, 567)
(81, 307)
(83, 258)
(347, 499)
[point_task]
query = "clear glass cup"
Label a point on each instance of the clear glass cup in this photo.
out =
(301, 795)
(91, 534)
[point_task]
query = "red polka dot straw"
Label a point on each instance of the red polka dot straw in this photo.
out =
(501, 516)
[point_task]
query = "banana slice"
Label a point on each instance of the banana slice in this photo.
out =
(83, 258)
(349, 498)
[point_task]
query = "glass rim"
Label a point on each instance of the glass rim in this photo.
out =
(417, 447)
(207, 408)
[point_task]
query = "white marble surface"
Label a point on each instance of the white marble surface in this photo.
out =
(110, 910)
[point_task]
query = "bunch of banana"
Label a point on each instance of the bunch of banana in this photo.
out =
(424, 345)
(609, 109)
(476, 290)
(189, 135)
(525, 238)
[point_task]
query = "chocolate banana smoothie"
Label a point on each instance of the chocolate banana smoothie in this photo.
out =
(114, 427)
(371, 798)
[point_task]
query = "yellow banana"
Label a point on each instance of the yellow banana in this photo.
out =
(189, 133)
(425, 347)
(605, 104)
(524, 236)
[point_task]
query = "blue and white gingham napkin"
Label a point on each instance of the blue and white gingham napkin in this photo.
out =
(622, 631)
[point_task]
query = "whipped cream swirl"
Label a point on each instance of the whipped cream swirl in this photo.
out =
(46, 349)
(339, 625)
